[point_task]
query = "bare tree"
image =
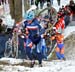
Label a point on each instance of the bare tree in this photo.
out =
(16, 9)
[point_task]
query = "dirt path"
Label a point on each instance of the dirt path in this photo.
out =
(70, 47)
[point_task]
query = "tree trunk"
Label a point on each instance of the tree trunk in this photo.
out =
(26, 4)
(16, 9)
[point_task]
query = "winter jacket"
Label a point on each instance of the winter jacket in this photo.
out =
(33, 28)
(60, 25)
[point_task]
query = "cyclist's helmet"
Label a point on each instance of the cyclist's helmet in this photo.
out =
(30, 15)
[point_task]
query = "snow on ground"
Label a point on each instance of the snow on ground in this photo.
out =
(69, 30)
(52, 66)
(11, 60)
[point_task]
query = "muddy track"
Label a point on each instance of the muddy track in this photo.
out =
(70, 47)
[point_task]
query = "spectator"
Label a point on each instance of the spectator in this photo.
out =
(2, 26)
(58, 2)
(41, 3)
(60, 45)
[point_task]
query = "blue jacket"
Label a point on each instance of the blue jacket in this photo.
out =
(34, 27)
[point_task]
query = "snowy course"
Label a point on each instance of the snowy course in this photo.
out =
(52, 66)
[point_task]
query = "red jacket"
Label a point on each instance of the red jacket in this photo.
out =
(60, 24)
